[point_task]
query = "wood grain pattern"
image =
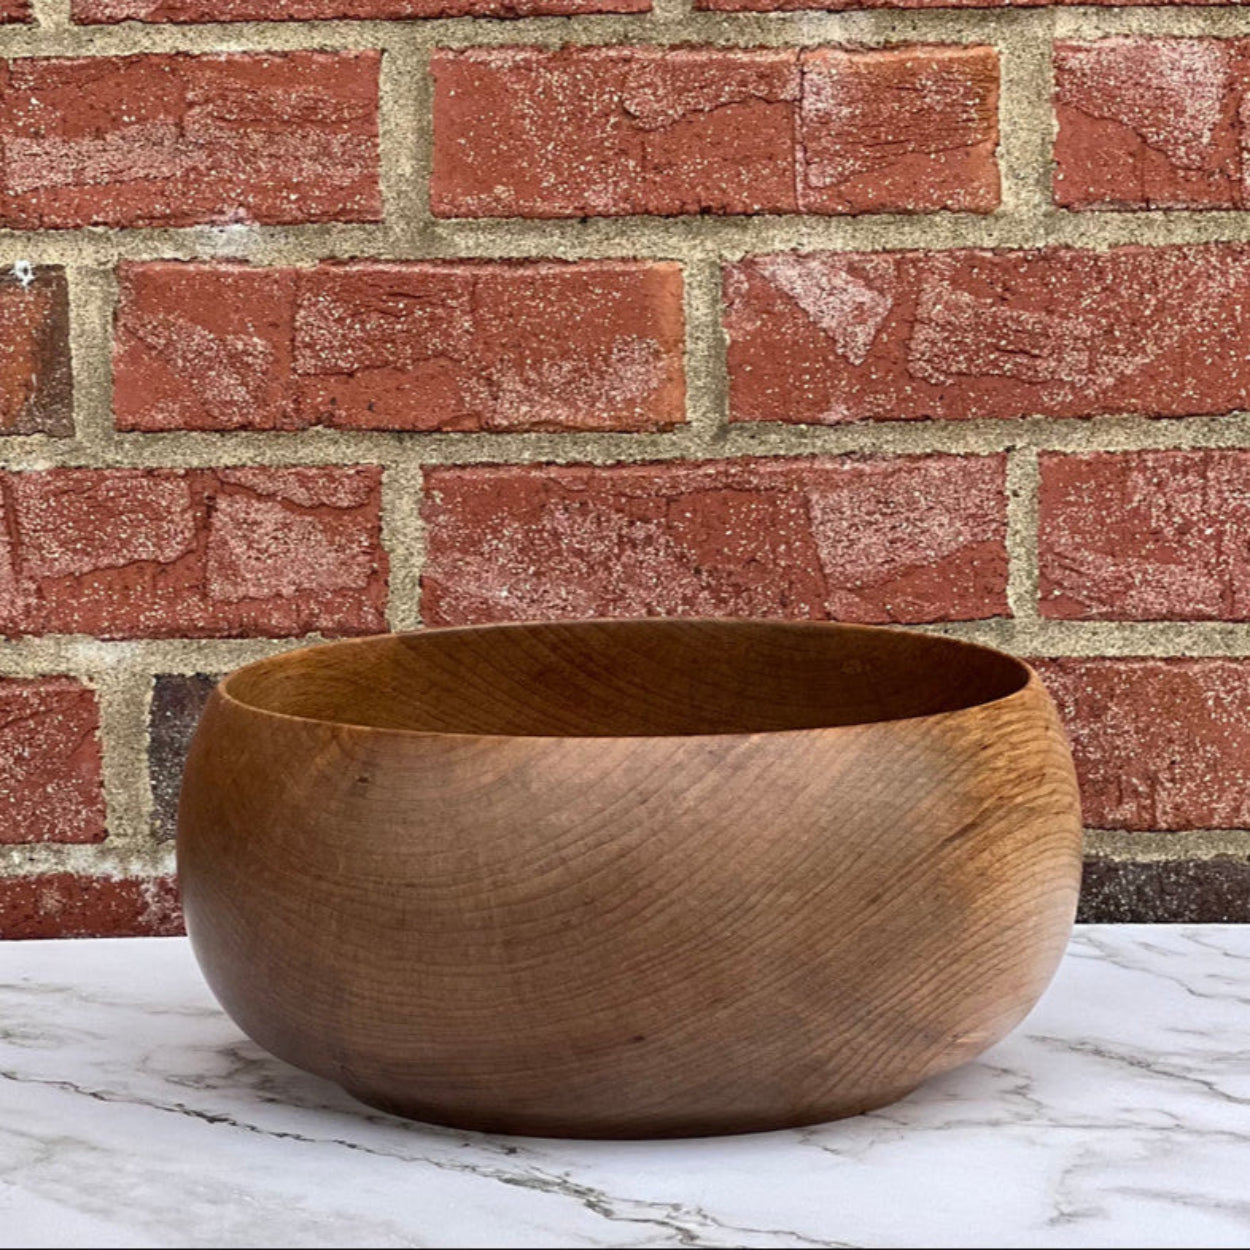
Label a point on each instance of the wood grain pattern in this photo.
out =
(630, 878)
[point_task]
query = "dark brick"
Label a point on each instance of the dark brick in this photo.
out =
(1176, 891)
(36, 389)
(177, 702)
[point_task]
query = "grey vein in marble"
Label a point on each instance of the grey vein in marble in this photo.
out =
(133, 1113)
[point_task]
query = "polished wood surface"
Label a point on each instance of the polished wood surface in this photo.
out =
(630, 878)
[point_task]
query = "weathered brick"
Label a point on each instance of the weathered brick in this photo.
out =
(1145, 535)
(177, 702)
(35, 376)
(15, 11)
(826, 338)
(50, 782)
(65, 905)
(156, 553)
(1158, 744)
(204, 347)
(103, 11)
(622, 130)
(857, 539)
(1178, 891)
(177, 140)
(1152, 123)
(414, 346)
(902, 129)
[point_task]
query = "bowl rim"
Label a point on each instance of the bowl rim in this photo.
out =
(1029, 685)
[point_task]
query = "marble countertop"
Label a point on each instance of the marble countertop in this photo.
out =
(133, 1113)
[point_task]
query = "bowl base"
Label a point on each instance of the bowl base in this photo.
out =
(477, 1120)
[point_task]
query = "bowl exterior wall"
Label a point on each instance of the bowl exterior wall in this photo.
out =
(631, 936)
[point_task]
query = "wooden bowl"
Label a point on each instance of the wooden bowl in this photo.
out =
(630, 878)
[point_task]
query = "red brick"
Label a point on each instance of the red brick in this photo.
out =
(597, 345)
(909, 128)
(1151, 123)
(831, 337)
(177, 140)
(50, 784)
(15, 11)
(857, 539)
(207, 347)
(1159, 744)
(155, 553)
(35, 376)
(63, 905)
(612, 131)
(103, 11)
(1146, 535)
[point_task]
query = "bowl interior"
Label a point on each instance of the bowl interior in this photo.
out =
(629, 678)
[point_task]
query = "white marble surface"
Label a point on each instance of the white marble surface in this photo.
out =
(133, 1113)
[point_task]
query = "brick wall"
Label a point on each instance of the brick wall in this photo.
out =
(317, 322)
